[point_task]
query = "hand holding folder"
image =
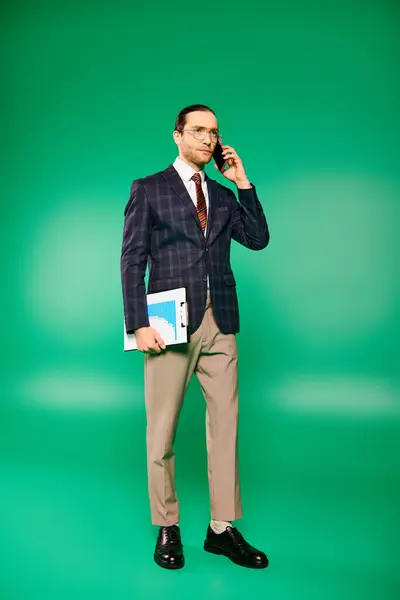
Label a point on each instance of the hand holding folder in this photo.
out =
(168, 315)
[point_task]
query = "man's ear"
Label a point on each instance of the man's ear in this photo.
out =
(177, 137)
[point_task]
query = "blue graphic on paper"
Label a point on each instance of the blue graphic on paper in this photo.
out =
(164, 310)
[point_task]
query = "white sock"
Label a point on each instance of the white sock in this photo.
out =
(219, 526)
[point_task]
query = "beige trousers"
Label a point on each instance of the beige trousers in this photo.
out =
(212, 356)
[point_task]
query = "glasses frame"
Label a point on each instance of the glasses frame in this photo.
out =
(219, 135)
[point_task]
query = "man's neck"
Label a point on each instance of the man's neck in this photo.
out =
(191, 164)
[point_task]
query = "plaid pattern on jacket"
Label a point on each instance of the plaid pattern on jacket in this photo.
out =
(162, 231)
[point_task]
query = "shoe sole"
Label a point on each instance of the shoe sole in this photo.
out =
(215, 550)
(169, 567)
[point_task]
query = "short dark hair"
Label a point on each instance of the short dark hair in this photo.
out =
(181, 118)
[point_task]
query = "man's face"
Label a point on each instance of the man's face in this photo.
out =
(197, 152)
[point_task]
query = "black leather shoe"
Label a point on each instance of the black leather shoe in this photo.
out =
(232, 544)
(169, 550)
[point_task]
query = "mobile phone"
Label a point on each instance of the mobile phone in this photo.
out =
(217, 156)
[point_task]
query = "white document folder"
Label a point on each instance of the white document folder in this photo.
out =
(168, 315)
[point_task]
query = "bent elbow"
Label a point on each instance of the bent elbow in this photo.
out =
(266, 240)
(263, 242)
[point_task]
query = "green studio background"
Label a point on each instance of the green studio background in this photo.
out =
(308, 94)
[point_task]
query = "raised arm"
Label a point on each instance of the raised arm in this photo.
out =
(249, 225)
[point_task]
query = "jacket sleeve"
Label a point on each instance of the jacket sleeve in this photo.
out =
(134, 255)
(249, 225)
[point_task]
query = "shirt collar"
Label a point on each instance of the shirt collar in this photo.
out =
(186, 171)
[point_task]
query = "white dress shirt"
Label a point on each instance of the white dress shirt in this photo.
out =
(186, 173)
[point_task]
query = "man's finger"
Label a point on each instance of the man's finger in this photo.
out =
(160, 341)
(155, 348)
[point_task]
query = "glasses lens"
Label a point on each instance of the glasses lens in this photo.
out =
(201, 135)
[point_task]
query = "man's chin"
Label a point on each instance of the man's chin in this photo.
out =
(205, 158)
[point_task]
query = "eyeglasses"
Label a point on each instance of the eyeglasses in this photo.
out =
(201, 133)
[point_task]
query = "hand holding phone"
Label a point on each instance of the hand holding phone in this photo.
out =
(217, 156)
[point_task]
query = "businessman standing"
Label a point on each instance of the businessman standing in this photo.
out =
(180, 223)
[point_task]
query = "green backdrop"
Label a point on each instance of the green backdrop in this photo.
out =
(308, 94)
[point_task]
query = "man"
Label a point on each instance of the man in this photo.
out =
(180, 222)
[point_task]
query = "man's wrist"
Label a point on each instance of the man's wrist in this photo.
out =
(244, 184)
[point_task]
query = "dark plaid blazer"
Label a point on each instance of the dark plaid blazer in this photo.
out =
(162, 230)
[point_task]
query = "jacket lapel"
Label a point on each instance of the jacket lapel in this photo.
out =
(212, 189)
(174, 180)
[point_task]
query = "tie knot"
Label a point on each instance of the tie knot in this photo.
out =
(196, 178)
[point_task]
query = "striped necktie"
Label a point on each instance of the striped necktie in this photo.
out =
(201, 201)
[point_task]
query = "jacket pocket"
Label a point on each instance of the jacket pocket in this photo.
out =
(229, 279)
